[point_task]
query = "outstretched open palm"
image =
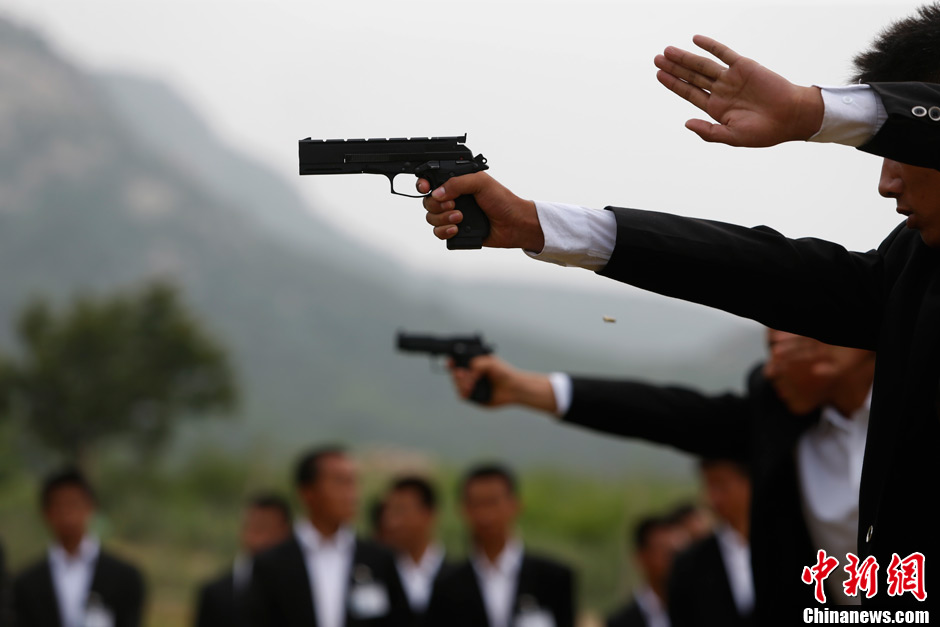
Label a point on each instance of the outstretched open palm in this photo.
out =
(752, 105)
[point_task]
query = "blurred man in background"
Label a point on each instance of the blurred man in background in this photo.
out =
(656, 541)
(410, 519)
(76, 583)
(266, 522)
(501, 584)
(801, 427)
(711, 580)
(324, 575)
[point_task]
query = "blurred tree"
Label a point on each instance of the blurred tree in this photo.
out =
(126, 366)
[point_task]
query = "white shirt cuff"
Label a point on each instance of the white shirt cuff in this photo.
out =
(576, 236)
(853, 114)
(562, 387)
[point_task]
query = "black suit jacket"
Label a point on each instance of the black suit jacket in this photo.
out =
(907, 137)
(886, 300)
(220, 604)
(542, 584)
(420, 619)
(699, 589)
(629, 616)
(280, 594)
(118, 584)
(5, 609)
(756, 428)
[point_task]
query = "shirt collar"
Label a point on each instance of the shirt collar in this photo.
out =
(859, 417)
(729, 537)
(650, 603)
(88, 551)
(312, 541)
(507, 563)
(241, 571)
(430, 562)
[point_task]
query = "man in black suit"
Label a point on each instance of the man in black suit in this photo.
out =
(77, 583)
(886, 300)
(410, 518)
(501, 584)
(656, 541)
(324, 575)
(711, 580)
(266, 522)
(805, 463)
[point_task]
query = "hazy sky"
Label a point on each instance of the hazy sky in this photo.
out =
(560, 96)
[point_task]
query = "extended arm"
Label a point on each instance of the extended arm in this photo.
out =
(712, 426)
(805, 286)
(755, 107)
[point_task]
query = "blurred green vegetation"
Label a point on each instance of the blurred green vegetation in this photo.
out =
(121, 366)
(179, 521)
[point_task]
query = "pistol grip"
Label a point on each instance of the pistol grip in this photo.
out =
(475, 226)
(473, 229)
(482, 391)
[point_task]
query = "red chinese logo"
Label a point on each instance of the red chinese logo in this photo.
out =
(818, 573)
(907, 575)
(861, 577)
(904, 575)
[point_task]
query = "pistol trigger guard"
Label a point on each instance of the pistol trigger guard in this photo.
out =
(391, 184)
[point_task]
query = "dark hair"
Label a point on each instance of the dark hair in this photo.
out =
(907, 50)
(66, 477)
(420, 486)
(681, 512)
(490, 471)
(270, 500)
(308, 468)
(647, 527)
(739, 465)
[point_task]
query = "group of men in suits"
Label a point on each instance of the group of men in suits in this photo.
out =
(886, 300)
(798, 433)
(323, 574)
(77, 583)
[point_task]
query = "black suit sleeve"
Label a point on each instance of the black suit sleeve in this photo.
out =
(909, 135)
(806, 286)
(682, 612)
(565, 610)
(400, 613)
(709, 426)
(203, 607)
(5, 609)
(262, 609)
(131, 609)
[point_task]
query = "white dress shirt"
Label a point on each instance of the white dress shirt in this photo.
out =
(241, 572)
(498, 582)
(829, 462)
(580, 237)
(652, 607)
(418, 578)
(736, 556)
(328, 563)
(72, 576)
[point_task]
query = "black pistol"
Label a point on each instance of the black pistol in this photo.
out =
(433, 158)
(460, 349)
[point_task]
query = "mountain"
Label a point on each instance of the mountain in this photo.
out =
(109, 180)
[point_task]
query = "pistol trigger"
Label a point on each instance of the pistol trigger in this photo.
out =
(391, 181)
